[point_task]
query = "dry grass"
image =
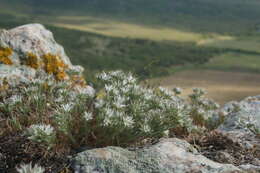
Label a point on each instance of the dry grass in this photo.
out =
(121, 29)
(221, 86)
(234, 62)
(243, 43)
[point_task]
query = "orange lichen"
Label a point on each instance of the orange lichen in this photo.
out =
(78, 80)
(32, 60)
(61, 75)
(54, 65)
(4, 55)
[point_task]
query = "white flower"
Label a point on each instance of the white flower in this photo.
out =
(109, 112)
(166, 91)
(35, 128)
(67, 107)
(103, 76)
(177, 90)
(88, 116)
(107, 121)
(27, 168)
(87, 90)
(146, 128)
(59, 99)
(199, 91)
(166, 133)
(40, 132)
(128, 121)
(31, 89)
(109, 88)
(119, 102)
(99, 103)
(14, 99)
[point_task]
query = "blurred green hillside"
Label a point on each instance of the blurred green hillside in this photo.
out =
(149, 37)
(192, 15)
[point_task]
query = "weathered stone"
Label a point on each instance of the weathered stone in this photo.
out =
(168, 156)
(248, 113)
(241, 124)
(31, 38)
(241, 127)
(29, 51)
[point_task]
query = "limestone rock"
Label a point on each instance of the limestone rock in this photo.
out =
(248, 113)
(168, 156)
(29, 51)
(241, 127)
(31, 38)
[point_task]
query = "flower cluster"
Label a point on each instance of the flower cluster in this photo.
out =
(124, 111)
(41, 133)
(28, 168)
(203, 110)
(130, 108)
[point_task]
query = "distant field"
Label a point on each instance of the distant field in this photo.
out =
(221, 86)
(243, 43)
(234, 62)
(128, 30)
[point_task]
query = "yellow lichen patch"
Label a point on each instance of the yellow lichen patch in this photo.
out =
(61, 75)
(32, 61)
(78, 80)
(4, 56)
(54, 65)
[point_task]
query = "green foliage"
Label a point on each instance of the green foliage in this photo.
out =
(204, 111)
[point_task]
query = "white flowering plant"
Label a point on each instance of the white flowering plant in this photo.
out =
(41, 133)
(129, 112)
(123, 111)
(28, 168)
(204, 111)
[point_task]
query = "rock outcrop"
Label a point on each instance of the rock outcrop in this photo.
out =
(242, 127)
(29, 51)
(168, 156)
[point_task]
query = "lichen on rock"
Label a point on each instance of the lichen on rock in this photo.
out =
(31, 49)
(4, 55)
(32, 60)
(54, 65)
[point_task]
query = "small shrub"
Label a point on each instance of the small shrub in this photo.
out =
(41, 133)
(130, 112)
(122, 112)
(203, 111)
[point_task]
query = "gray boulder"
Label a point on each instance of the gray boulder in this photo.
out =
(242, 127)
(243, 122)
(168, 156)
(30, 52)
(31, 38)
(245, 118)
(31, 48)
